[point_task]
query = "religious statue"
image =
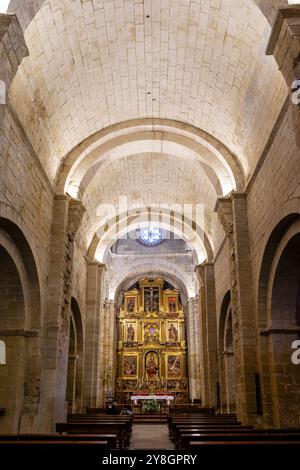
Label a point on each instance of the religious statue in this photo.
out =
(130, 333)
(147, 305)
(151, 367)
(173, 334)
(174, 366)
(130, 305)
(172, 305)
(130, 366)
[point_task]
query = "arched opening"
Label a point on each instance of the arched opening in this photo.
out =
(74, 393)
(20, 317)
(12, 318)
(285, 329)
(277, 322)
(226, 352)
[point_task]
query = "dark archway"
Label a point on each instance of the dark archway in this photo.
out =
(285, 376)
(20, 318)
(278, 323)
(74, 393)
(226, 356)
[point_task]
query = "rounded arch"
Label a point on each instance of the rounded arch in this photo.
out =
(130, 279)
(14, 307)
(224, 311)
(109, 231)
(14, 225)
(154, 135)
(106, 241)
(278, 311)
(15, 242)
(74, 391)
(20, 325)
(268, 256)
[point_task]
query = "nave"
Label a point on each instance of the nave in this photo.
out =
(149, 226)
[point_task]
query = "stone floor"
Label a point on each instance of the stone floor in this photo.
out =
(150, 436)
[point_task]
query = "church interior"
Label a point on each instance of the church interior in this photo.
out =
(149, 219)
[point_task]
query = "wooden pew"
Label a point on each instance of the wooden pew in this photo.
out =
(280, 450)
(111, 439)
(120, 428)
(187, 439)
(204, 422)
(224, 433)
(19, 452)
(178, 431)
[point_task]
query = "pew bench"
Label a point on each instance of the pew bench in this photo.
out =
(121, 429)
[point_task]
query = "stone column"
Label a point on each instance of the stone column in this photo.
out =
(207, 296)
(232, 212)
(67, 216)
(94, 326)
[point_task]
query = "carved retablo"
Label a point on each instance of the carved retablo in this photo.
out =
(151, 342)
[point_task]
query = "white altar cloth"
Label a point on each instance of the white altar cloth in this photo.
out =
(136, 398)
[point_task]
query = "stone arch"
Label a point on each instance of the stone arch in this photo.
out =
(75, 359)
(107, 233)
(278, 322)
(131, 279)
(226, 357)
(20, 323)
(270, 249)
(163, 135)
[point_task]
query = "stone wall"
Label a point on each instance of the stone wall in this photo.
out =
(275, 192)
(222, 274)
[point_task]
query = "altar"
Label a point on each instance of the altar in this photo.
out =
(167, 398)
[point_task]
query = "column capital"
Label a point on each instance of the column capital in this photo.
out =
(14, 46)
(225, 214)
(96, 263)
(284, 42)
(12, 51)
(201, 269)
(76, 212)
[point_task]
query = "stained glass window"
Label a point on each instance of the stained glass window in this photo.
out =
(150, 236)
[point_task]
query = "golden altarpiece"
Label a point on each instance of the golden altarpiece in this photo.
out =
(151, 342)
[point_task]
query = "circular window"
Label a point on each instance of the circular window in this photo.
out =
(150, 236)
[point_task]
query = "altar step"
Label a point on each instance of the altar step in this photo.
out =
(149, 419)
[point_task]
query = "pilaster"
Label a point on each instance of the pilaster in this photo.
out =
(67, 216)
(232, 212)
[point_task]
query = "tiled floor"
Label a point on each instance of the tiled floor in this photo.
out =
(150, 436)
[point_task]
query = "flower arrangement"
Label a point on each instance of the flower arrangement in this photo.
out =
(149, 406)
